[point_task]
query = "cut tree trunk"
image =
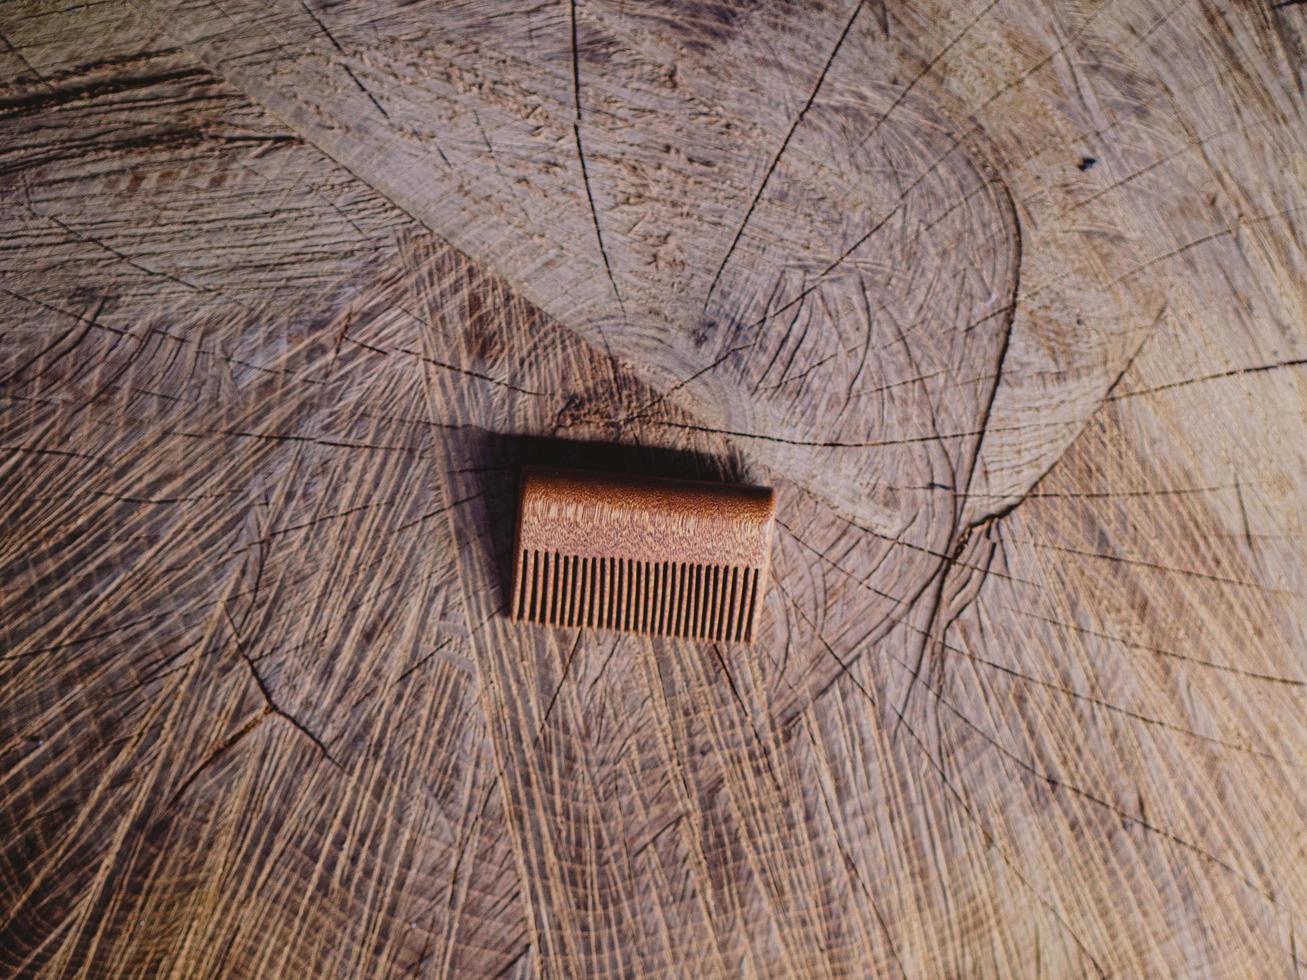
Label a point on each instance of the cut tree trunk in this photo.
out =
(1005, 298)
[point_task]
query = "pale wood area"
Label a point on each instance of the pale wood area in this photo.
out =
(1007, 298)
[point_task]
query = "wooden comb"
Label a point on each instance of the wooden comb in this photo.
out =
(646, 555)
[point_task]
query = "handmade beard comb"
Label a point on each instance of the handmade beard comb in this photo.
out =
(646, 555)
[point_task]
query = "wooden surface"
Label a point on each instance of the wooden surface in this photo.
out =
(1006, 298)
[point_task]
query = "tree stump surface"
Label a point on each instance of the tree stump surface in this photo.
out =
(1006, 299)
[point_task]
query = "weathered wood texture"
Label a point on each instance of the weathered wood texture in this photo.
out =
(1006, 298)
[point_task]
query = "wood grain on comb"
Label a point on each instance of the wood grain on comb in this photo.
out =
(655, 556)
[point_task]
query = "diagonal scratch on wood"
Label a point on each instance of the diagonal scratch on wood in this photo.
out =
(776, 159)
(270, 705)
(956, 794)
(580, 156)
(926, 70)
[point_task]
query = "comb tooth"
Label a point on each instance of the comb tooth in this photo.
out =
(614, 593)
(710, 629)
(645, 597)
(638, 610)
(560, 589)
(643, 612)
(574, 613)
(574, 593)
(687, 603)
(743, 575)
(705, 603)
(741, 580)
(556, 602)
(674, 605)
(551, 588)
(687, 622)
(533, 590)
(542, 599)
(669, 600)
(542, 584)
(688, 627)
(656, 605)
(746, 579)
(582, 587)
(740, 603)
(724, 609)
(578, 585)
(592, 594)
(751, 614)
(683, 604)
(695, 588)
(573, 577)
(564, 580)
(754, 580)
(673, 596)
(692, 626)
(633, 596)
(583, 613)
(656, 612)
(652, 603)
(737, 593)
(668, 587)
(601, 612)
(633, 601)
(724, 604)
(528, 582)
(692, 601)
(561, 580)
(619, 607)
(660, 615)
(547, 592)
(578, 590)
(529, 573)
(707, 614)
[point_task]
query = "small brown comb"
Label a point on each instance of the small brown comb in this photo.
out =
(665, 557)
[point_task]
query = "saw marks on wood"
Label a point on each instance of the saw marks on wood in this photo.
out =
(1005, 299)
